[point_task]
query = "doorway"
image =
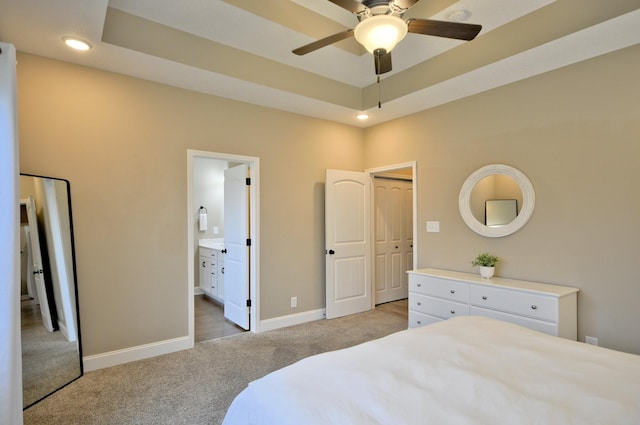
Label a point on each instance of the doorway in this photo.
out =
(349, 230)
(392, 233)
(205, 191)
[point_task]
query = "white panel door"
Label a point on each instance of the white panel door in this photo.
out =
(36, 260)
(236, 234)
(348, 243)
(393, 238)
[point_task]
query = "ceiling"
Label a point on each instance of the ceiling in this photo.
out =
(241, 49)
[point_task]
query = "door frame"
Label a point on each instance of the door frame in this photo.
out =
(414, 181)
(254, 229)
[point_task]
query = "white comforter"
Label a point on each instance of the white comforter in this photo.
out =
(467, 370)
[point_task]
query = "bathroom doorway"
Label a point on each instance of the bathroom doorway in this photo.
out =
(214, 289)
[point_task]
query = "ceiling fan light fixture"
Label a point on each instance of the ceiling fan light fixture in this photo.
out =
(380, 32)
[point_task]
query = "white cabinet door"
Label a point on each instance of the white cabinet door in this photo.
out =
(236, 227)
(348, 243)
(204, 274)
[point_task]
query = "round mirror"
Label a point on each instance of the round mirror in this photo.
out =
(496, 200)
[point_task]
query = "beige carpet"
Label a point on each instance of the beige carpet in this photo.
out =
(196, 386)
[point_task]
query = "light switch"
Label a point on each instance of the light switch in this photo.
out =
(433, 226)
(216, 230)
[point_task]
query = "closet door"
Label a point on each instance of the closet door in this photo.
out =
(393, 232)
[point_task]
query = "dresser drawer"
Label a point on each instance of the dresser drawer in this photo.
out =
(537, 325)
(438, 307)
(417, 320)
(441, 288)
(521, 303)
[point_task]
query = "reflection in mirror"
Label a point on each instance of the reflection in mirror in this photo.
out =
(500, 212)
(50, 326)
(489, 186)
(494, 187)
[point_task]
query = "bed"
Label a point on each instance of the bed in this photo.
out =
(467, 370)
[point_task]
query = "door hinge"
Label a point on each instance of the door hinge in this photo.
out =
(248, 303)
(248, 181)
(249, 242)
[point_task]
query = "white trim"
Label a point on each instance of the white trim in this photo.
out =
(292, 319)
(131, 354)
(254, 218)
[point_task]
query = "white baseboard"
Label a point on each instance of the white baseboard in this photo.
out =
(291, 319)
(140, 352)
(197, 290)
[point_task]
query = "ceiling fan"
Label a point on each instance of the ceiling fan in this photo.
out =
(381, 27)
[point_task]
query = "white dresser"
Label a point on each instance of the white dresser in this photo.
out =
(212, 269)
(436, 295)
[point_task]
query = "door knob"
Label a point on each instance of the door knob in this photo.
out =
(331, 252)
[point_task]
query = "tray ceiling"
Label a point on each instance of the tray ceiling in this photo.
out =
(241, 49)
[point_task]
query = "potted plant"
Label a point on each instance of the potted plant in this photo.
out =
(487, 263)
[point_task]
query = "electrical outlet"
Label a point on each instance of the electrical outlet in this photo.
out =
(591, 340)
(294, 302)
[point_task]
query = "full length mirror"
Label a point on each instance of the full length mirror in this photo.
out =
(496, 200)
(50, 325)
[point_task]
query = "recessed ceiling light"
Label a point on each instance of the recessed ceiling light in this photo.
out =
(76, 43)
(362, 116)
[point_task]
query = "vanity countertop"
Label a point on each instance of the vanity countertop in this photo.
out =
(216, 243)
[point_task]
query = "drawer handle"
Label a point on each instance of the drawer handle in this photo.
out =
(453, 291)
(419, 322)
(534, 307)
(419, 285)
(419, 303)
(484, 297)
(453, 312)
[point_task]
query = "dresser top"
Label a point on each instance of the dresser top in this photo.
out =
(543, 288)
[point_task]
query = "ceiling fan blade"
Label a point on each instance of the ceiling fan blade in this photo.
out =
(457, 30)
(350, 5)
(323, 42)
(382, 63)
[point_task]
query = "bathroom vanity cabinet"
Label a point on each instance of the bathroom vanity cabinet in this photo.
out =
(212, 270)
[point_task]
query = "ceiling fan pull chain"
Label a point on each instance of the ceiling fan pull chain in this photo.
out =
(379, 100)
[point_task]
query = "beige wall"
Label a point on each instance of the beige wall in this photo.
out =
(122, 143)
(575, 133)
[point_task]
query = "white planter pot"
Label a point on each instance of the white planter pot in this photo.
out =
(487, 272)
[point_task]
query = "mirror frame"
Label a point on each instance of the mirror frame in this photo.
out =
(528, 200)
